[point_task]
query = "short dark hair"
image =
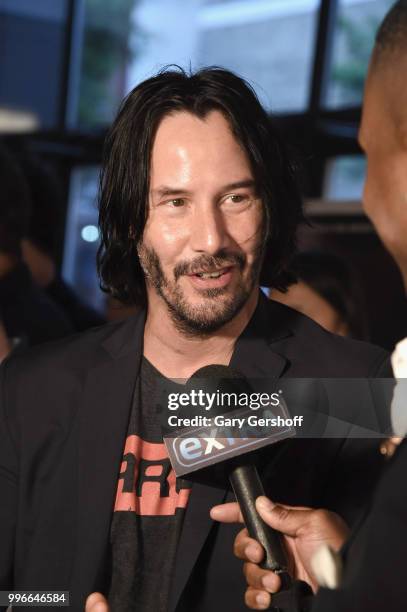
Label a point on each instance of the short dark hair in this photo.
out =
(15, 204)
(124, 180)
(391, 36)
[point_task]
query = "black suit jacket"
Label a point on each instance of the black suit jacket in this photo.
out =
(63, 422)
(374, 556)
(375, 576)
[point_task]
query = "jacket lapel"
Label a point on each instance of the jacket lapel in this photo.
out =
(104, 415)
(254, 358)
(195, 530)
(253, 355)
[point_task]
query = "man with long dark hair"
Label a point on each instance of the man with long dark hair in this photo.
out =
(195, 108)
(197, 198)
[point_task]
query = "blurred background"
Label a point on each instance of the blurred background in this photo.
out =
(65, 65)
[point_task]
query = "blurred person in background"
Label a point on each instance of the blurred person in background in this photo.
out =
(326, 290)
(4, 343)
(40, 245)
(366, 570)
(29, 316)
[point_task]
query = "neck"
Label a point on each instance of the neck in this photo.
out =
(176, 355)
(7, 264)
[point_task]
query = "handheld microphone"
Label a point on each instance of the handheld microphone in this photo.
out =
(211, 455)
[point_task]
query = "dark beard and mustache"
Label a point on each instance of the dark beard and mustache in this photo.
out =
(209, 318)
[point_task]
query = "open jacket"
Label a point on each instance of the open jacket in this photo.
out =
(63, 420)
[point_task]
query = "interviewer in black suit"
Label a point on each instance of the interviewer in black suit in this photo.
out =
(196, 191)
(374, 556)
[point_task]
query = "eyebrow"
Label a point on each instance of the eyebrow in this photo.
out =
(166, 190)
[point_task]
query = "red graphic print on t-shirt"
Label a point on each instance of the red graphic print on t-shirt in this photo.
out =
(147, 484)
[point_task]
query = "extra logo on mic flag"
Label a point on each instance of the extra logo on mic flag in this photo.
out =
(224, 437)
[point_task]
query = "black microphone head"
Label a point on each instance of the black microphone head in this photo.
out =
(215, 440)
(218, 379)
(216, 371)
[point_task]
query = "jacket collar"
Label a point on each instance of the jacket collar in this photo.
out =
(253, 355)
(126, 337)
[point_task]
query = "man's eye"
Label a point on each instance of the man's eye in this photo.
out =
(237, 198)
(177, 202)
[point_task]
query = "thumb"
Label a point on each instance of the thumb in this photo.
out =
(96, 602)
(286, 520)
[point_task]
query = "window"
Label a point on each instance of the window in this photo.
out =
(32, 55)
(129, 40)
(356, 25)
(105, 50)
(344, 178)
(82, 237)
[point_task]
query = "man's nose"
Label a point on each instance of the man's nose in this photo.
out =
(208, 231)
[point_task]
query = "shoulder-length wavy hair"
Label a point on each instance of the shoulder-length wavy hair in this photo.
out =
(124, 182)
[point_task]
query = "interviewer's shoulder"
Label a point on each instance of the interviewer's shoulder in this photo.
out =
(328, 354)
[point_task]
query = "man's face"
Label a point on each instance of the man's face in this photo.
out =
(202, 244)
(385, 191)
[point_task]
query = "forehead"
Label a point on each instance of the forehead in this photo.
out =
(188, 145)
(186, 126)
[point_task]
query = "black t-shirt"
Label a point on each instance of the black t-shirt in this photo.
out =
(149, 509)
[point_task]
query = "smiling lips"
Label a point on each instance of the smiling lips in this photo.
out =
(212, 274)
(211, 279)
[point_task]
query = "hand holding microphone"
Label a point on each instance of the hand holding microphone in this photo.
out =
(305, 530)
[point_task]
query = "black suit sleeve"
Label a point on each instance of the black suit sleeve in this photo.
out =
(298, 598)
(8, 487)
(375, 569)
(382, 368)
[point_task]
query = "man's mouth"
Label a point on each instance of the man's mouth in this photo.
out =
(212, 274)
